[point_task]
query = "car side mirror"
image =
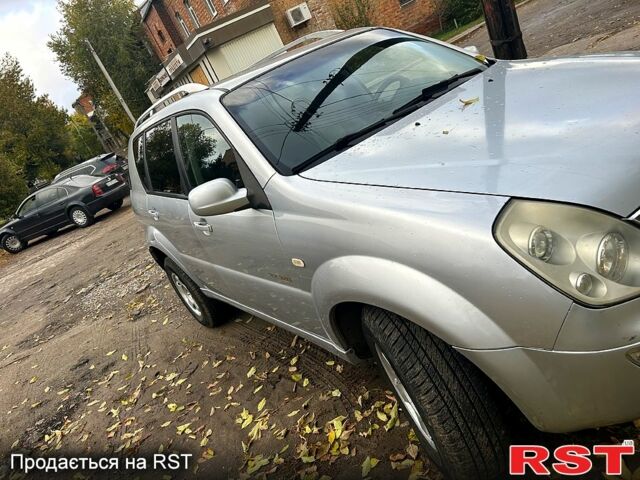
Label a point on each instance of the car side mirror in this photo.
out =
(217, 197)
(472, 49)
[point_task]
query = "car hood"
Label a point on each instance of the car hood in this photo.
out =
(565, 129)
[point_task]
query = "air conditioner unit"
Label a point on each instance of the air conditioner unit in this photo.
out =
(299, 14)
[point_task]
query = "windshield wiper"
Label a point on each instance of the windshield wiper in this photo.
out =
(429, 93)
(343, 142)
(437, 89)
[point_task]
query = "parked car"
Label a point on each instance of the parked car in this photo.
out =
(99, 166)
(471, 224)
(73, 201)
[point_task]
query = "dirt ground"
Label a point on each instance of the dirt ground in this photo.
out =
(567, 27)
(98, 357)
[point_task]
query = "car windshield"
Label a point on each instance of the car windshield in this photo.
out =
(300, 109)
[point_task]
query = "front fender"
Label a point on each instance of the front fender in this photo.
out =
(408, 293)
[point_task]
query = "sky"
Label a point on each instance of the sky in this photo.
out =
(25, 26)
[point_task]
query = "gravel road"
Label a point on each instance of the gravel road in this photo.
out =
(566, 27)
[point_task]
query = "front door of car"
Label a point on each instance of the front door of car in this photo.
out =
(243, 256)
(27, 225)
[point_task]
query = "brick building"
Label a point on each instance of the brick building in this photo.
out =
(84, 105)
(205, 41)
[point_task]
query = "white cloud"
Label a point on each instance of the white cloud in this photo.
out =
(25, 26)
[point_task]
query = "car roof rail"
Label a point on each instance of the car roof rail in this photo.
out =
(174, 95)
(319, 35)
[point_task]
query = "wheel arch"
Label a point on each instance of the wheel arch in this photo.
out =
(75, 204)
(341, 286)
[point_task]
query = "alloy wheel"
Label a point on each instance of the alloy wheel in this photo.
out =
(79, 217)
(407, 402)
(186, 296)
(13, 243)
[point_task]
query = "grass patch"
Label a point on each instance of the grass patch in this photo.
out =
(447, 34)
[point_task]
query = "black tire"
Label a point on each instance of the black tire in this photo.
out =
(9, 244)
(77, 214)
(116, 205)
(460, 409)
(212, 312)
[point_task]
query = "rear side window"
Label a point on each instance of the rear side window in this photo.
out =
(138, 157)
(164, 176)
(48, 196)
(205, 152)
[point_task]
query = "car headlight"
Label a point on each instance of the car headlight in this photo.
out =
(592, 257)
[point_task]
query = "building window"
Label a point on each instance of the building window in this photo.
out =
(211, 7)
(182, 23)
(161, 36)
(192, 13)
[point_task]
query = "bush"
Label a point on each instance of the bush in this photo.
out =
(464, 11)
(13, 188)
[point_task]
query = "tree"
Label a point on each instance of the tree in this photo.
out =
(82, 140)
(32, 128)
(114, 29)
(13, 188)
(352, 13)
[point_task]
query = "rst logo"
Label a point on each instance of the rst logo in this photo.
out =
(571, 460)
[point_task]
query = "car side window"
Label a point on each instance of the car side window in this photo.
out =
(206, 153)
(163, 170)
(46, 197)
(28, 206)
(138, 156)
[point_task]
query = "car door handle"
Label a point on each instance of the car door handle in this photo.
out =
(154, 214)
(204, 227)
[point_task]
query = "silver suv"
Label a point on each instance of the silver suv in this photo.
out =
(467, 222)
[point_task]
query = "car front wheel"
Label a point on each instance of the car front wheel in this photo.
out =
(208, 312)
(12, 243)
(453, 407)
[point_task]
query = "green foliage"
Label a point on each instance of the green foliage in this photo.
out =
(13, 188)
(450, 12)
(464, 11)
(352, 13)
(33, 136)
(113, 27)
(82, 140)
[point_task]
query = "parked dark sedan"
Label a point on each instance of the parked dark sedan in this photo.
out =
(99, 166)
(72, 201)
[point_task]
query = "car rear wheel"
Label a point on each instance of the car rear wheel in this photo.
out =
(455, 410)
(208, 312)
(12, 243)
(116, 205)
(80, 217)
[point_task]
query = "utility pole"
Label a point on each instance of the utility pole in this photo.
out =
(108, 77)
(504, 29)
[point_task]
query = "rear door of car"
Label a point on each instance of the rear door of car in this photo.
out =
(167, 207)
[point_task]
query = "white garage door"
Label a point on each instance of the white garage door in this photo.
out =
(246, 50)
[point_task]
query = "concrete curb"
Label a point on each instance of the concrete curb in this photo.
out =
(461, 36)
